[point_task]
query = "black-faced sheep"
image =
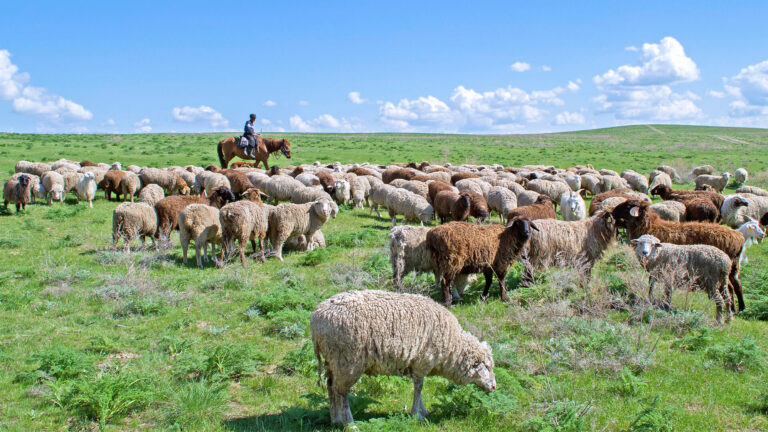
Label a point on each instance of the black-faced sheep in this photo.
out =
(18, 191)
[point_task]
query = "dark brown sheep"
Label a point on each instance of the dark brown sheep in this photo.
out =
(296, 171)
(168, 208)
(478, 207)
(698, 209)
(461, 176)
(594, 206)
(242, 164)
(705, 187)
(764, 220)
(87, 163)
(463, 248)
(237, 180)
(638, 220)
(450, 205)
(212, 168)
(396, 173)
(360, 171)
(17, 191)
(255, 195)
(111, 183)
(666, 193)
(273, 170)
(435, 187)
(543, 208)
(327, 182)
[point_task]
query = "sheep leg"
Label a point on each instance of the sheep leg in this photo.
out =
(279, 250)
(184, 246)
(253, 245)
(446, 282)
(488, 273)
(718, 299)
(333, 399)
(261, 249)
(418, 404)
(90, 203)
(728, 302)
(734, 279)
(197, 253)
(241, 248)
(502, 284)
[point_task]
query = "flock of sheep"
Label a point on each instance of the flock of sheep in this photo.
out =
(702, 233)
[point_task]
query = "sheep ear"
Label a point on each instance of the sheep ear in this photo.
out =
(608, 218)
(635, 241)
(634, 211)
(534, 227)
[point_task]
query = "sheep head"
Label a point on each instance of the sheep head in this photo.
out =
(255, 195)
(646, 246)
(476, 364)
(630, 212)
(23, 181)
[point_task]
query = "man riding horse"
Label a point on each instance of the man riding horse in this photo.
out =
(250, 134)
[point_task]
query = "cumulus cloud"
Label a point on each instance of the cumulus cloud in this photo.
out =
(35, 100)
(322, 123)
(143, 126)
(355, 98)
(643, 91)
(716, 94)
(519, 67)
(303, 103)
(546, 68)
(201, 114)
(569, 118)
(269, 103)
(109, 122)
(749, 91)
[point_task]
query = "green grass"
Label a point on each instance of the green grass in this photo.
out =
(92, 338)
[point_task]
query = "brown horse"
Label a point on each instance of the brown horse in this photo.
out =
(228, 149)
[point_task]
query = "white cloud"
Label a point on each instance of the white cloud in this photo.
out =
(519, 67)
(322, 123)
(660, 64)
(631, 48)
(569, 118)
(749, 89)
(752, 83)
(355, 98)
(546, 68)
(269, 103)
(143, 126)
(109, 122)
(572, 86)
(35, 100)
(303, 103)
(716, 94)
(642, 92)
(201, 114)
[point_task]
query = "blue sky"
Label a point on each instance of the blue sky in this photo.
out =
(495, 67)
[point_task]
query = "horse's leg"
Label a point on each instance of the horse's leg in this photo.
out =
(266, 165)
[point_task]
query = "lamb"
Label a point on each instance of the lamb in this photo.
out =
(637, 181)
(717, 182)
(342, 192)
(573, 207)
(168, 208)
(580, 243)
(129, 185)
(382, 333)
(408, 253)
(208, 181)
(706, 267)
(170, 181)
(378, 196)
(633, 215)
(411, 206)
(292, 220)
(659, 178)
(462, 248)
(112, 183)
(86, 188)
(671, 172)
(53, 183)
(360, 189)
(151, 194)
(502, 201)
(17, 190)
(450, 205)
(702, 170)
(244, 221)
(673, 211)
(280, 187)
(754, 190)
(131, 221)
(199, 222)
(300, 243)
(753, 234)
(739, 208)
(741, 175)
(542, 208)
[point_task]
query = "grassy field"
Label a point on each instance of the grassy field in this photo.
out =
(91, 338)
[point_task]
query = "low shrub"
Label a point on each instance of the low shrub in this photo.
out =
(197, 405)
(559, 416)
(737, 355)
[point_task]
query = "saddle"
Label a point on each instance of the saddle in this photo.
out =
(242, 141)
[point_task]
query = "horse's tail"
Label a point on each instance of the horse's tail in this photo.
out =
(221, 156)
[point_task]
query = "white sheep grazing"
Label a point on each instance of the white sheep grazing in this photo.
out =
(737, 209)
(706, 267)
(132, 221)
(471, 185)
(200, 223)
(637, 181)
(527, 198)
(754, 190)
(741, 175)
(753, 234)
(359, 188)
(36, 168)
(610, 182)
(342, 191)
(573, 207)
(86, 188)
(280, 187)
(420, 188)
(671, 172)
(242, 221)
(553, 189)
(307, 179)
(502, 201)
(207, 181)
(309, 194)
(717, 182)
(673, 211)
(413, 207)
(658, 178)
(383, 333)
(408, 253)
(378, 196)
(151, 194)
(53, 183)
(259, 179)
(591, 183)
(573, 180)
(287, 221)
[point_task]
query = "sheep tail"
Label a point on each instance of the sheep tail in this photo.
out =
(319, 364)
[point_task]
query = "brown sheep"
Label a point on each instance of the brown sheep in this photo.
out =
(666, 193)
(705, 187)
(396, 173)
(168, 208)
(18, 191)
(543, 208)
(360, 171)
(296, 171)
(627, 193)
(244, 221)
(478, 207)
(437, 186)
(461, 176)
(273, 170)
(86, 163)
(450, 205)
(242, 164)
(212, 168)
(463, 248)
(327, 182)
(698, 209)
(111, 183)
(638, 220)
(764, 220)
(237, 180)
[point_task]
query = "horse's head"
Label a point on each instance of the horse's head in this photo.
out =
(285, 148)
